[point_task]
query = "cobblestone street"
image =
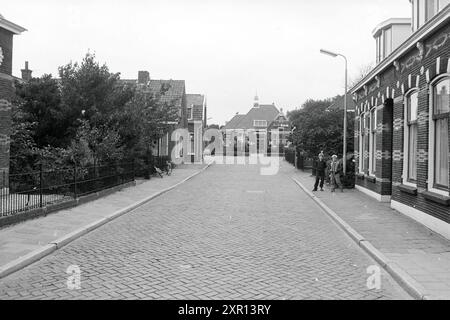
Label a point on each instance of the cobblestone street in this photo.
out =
(229, 233)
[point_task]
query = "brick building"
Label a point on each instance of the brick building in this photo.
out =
(7, 31)
(261, 119)
(402, 114)
(173, 93)
(197, 121)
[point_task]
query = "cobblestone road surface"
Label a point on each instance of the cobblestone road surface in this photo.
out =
(229, 233)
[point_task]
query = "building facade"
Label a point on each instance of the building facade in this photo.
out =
(402, 121)
(7, 31)
(197, 122)
(169, 92)
(260, 120)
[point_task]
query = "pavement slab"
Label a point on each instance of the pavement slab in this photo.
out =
(421, 253)
(212, 239)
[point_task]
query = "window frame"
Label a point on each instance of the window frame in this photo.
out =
(406, 137)
(190, 112)
(373, 141)
(364, 123)
(260, 126)
(431, 137)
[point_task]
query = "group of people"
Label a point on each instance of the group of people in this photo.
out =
(334, 169)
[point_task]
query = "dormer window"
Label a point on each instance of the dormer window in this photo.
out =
(389, 35)
(260, 123)
(425, 10)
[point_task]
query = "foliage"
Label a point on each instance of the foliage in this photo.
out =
(39, 101)
(87, 116)
(320, 129)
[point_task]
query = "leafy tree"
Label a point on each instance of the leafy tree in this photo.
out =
(214, 126)
(23, 148)
(95, 145)
(143, 120)
(320, 129)
(39, 101)
(90, 91)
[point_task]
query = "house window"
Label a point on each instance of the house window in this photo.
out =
(373, 141)
(190, 113)
(425, 10)
(440, 119)
(260, 123)
(387, 42)
(442, 4)
(364, 144)
(410, 161)
(361, 137)
(431, 8)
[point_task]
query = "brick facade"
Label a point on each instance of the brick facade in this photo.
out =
(6, 92)
(415, 69)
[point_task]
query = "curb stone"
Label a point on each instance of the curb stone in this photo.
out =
(26, 260)
(44, 251)
(401, 276)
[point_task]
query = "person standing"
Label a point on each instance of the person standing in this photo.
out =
(335, 174)
(321, 165)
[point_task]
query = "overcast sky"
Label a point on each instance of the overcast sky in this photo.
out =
(227, 50)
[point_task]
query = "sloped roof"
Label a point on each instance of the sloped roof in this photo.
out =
(11, 26)
(172, 91)
(234, 122)
(266, 112)
(194, 99)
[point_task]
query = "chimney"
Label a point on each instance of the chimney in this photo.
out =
(26, 73)
(143, 77)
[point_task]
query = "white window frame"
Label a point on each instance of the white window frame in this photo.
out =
(361, 136)
(431, 135)
(372, 139)
(255, 123)
(406, 139)
(191, 112)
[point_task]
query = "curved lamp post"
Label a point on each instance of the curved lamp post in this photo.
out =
(334, 55)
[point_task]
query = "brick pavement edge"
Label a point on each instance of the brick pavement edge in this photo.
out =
(400, 275)
(40, 253)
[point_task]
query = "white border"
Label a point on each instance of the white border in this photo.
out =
(406, 137)
(431, 136)
(432, 223)
(373, 194)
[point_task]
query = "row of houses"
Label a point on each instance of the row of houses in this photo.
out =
(192, 107)
(192, 114)
(402, 116)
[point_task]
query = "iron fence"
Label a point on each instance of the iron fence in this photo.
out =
(31, 190)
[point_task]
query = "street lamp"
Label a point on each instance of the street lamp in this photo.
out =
(334, 55)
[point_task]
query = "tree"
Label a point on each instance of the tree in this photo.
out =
(39, 101)
(89, 89)
(214, 126)
(23, 148)
(319, 128)
(363, 71)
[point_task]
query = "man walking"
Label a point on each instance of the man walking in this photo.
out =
(335, 174)
(321, 165)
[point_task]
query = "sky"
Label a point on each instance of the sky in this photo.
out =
(227, 50)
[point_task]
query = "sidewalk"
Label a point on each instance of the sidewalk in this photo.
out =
(23, 241)
(420, 257)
